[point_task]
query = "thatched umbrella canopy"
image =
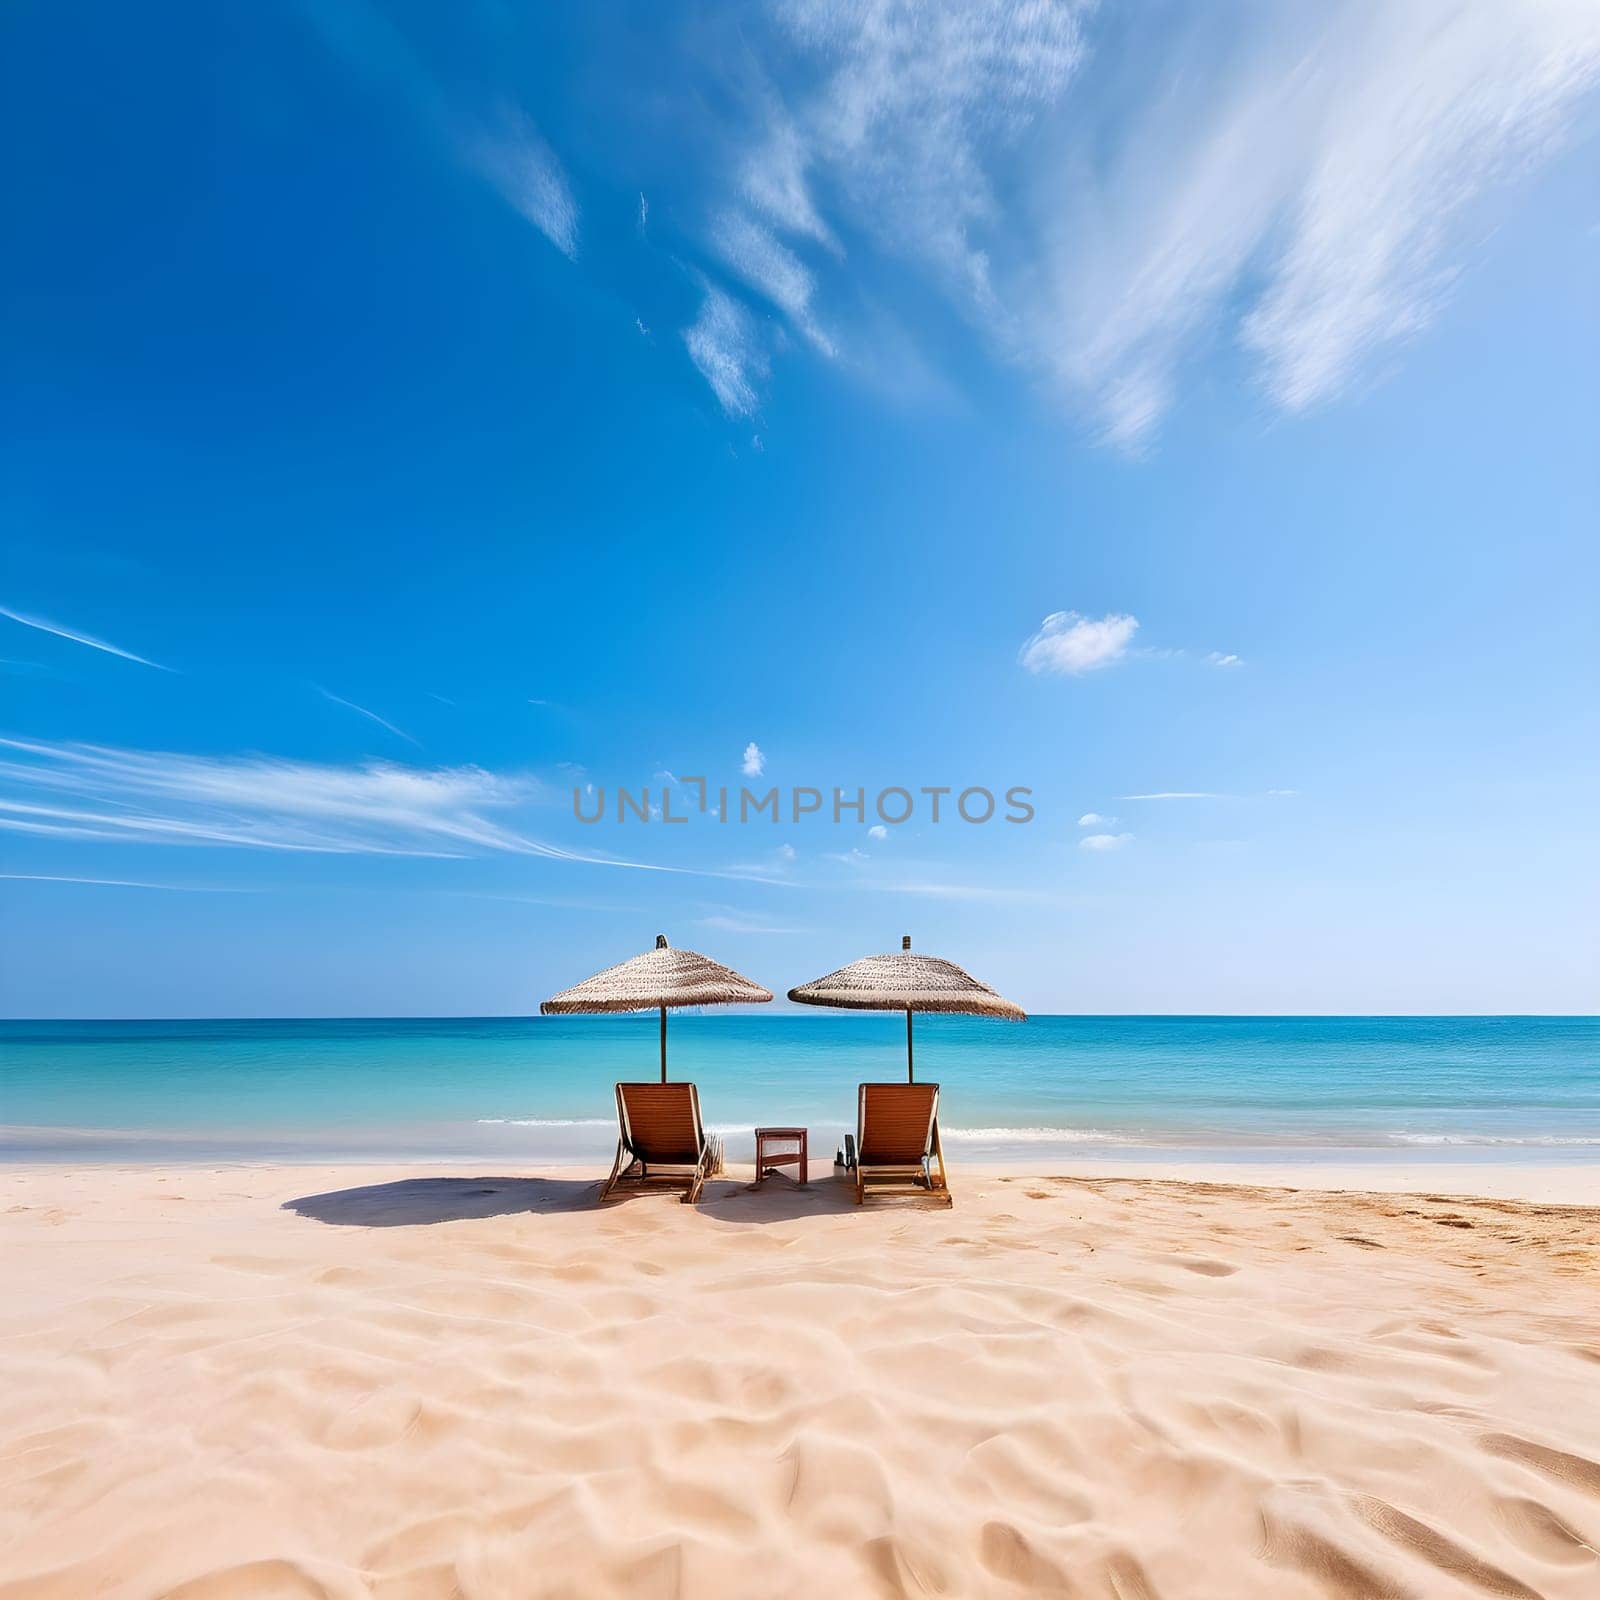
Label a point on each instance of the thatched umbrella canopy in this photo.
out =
(904, 982)
(659, 978)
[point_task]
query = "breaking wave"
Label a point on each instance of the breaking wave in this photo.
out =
(547, 1122)
(1033, 1136)
(1541, 1141)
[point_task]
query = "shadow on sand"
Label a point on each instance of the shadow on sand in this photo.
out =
(414, 1202)
(777, 1200)
(419, 1202)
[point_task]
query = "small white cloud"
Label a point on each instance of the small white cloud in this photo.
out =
(851, 857)
(786, 852)
(517, 161)
(1070, 643)
(725, 346)
(753, 763)
(1217, 658)
(1093, 819)
(1104, 841)
(877, 831)
(644, 212)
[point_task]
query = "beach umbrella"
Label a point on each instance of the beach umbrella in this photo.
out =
(904, 982)
(659, 978)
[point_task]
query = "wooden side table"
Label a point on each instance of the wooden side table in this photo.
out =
(771, 1154)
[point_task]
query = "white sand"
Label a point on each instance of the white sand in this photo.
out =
(439, 1385)
(1573, 1183)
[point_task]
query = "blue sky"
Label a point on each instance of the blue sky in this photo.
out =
(413, 413)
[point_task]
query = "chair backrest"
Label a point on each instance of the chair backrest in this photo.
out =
(894, 1123)
(660, 1121)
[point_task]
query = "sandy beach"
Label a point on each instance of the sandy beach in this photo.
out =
(422, 1382)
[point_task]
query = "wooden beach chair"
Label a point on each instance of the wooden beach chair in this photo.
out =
(897, 1141)
(660, 1142)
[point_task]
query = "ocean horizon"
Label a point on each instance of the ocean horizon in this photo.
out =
(538, 1089)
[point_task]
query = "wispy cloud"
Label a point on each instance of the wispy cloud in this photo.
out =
(775, 866)
(258, 802)
(1296, 181)
(935, 890)
(772, 270)
(81, 791)
(864, 878)
(1217, 658)
(753, 763)
(505, 149)
(892, 106)
(371, 716)
(725, 345)
(1071, 644)
(738, 922)
(126, 883)
(1178, 794)
(774, 179)
(560, 902)
(1429, 104)
(1104, 841)
(514, 157)
(910, 101)
(79, 638)
(1315, 172)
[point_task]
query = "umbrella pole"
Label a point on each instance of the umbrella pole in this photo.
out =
(663, 1044)
(911, 1076)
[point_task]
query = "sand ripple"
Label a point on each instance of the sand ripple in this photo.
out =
(482, 1388)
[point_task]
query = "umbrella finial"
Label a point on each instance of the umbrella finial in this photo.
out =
(905, 941)
(661, 941)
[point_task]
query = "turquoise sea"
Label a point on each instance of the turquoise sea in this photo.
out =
(540, 1088)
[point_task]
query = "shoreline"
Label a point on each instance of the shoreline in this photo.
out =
(1484, 1176)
